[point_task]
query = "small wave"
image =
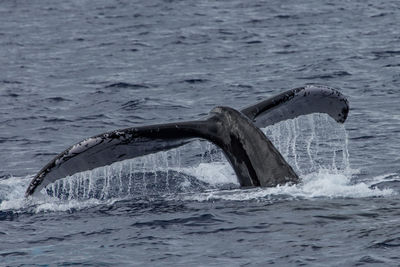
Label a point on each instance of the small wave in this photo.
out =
(199, 220)
(226, 32)
(388, 243)
(382, 14)
(5, 176)
(386, 53)
(195, 80)
(392, 65)
(332, 75)
(10, 82)
(13, 95)
(27, 118)
(284, 16)
(48, 128)
(285, 52)
(57, 120)
(133, 104)
(151, 103)
(257, 21)
(369, 260)
(364, 137)
(254, 42)
(57, 99)
(92, 117)
(390, 180)
(244, 86)
(125, 85)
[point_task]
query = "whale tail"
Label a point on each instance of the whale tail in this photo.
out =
(253, 157)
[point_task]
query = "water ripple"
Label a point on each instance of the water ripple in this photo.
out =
(125, 85)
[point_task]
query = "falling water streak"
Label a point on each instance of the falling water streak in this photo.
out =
(130, 178)
(310, 140)
(287, 143)
(156, 169)
(121, 187)
(83, 185)
(346, 155)
(70, 182)
(106, 183)
(144, 191)
(311, 144)
(178, 157)
(168, 172)
(209, 150)
(295, 128)
(58, 189)
(334, 160)
(78, 185)
(316, 164)
(203, 151)
(52, 188)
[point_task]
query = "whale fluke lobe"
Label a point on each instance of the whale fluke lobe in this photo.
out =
(251, 154)
(110, 147)
(299, 101)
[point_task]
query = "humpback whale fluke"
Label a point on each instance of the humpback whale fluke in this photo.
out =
(299, 101)
(253, 157)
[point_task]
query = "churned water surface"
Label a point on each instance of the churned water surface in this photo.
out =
(73, 69)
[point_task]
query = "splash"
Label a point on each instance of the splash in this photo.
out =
(321, 184)
(12, 190)
(315, 145)
(311, 143)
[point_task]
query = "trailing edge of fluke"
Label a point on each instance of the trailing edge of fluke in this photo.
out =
(253, 157)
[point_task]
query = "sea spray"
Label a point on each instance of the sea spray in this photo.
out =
(311, 142)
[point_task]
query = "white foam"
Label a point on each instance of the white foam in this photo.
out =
(214, 173)
(12, 194)
(55, 204)
(333, 184)
(322, 184)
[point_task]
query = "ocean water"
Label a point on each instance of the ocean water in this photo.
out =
(73, 69)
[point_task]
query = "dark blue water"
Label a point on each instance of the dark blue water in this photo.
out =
(73, 69)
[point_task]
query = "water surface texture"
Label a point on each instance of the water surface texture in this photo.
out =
(73, 69)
